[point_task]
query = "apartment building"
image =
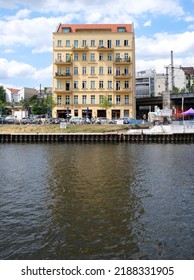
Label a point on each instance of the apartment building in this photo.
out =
(91, 63)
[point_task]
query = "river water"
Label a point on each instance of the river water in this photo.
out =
(96, 201)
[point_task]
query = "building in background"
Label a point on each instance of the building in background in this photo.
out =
(17, 95)
(90, 62)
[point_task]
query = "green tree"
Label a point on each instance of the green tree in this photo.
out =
(2, 94)
(2, 100)
(40, 106)
(106, 104)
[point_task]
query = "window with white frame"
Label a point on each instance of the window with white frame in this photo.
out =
(92, 84)
(67, 70)
(92, 56)
(110, 99)
(59, 70)
(117, 43)
(118, 57)
(118, 85)
(75, 99)
(109, 84)
(126, 56)
(59, 84)
(109, 72)
(126, 70)
(67, 43)
(101, 56)
(92, 99)
(121, 29)
(59, 56)
(126, 99)
(75, 43)
(101, 43)
(84, 99)
(68, 57)
(75, 70)
(75, 84)
(67, 99)
(66, 29)
(118, 72)
(84, 43)
(92, 70)
(101, 70)
(67, 85)
(84, 84)
(109, 56)
(92, 43)
(126, 43)
(118, 99)
(76, 56)
(84, 70)
(101, 98)
(84, 56)
(101, 84)
(59, 100)
(126, 84)
(59, 43)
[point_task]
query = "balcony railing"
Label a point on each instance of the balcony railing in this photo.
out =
(60, 61)
(122, 60)
(123, 75)
(63, 90)
(62, 75)
(80, 49)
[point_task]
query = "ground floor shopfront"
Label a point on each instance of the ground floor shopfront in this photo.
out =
(92, 112)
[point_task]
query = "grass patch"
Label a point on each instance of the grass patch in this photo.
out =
(9, 129)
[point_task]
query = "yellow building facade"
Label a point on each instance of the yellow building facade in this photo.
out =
(91, 63)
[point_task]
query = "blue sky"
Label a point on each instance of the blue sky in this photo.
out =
(26, 29)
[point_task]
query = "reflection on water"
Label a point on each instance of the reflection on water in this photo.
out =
(96, 201)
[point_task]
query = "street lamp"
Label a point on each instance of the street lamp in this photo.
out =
(67, 113)
(87, 112)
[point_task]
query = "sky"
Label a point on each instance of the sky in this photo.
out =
(26, 31)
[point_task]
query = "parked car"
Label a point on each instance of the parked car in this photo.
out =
(134, 121)
(2, 120)
(102, 120)
(76, 120)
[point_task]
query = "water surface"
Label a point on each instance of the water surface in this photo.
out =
(96, 201)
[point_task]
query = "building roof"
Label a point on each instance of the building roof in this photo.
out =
(13, 90)
(107, 27)
(188, 70)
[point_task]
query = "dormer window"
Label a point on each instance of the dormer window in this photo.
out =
(66, 29)
(121, 29)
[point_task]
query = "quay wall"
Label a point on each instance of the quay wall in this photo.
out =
(98, 137)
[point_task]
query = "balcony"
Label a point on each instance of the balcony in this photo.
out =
(122, 60)
(123, 89)
(63, 90)
(63, 75)
(80, 49)
(122, 76)
(104, 49)
(61, 62)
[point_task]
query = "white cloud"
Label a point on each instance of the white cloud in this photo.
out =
(13, 69)
(7, 51)
(148, 23)
(21, 14)
(189, 18)
(108, 7)
(161, 44)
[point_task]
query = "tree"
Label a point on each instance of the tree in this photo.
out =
(2, 100)
(2, 94)
(106, 104)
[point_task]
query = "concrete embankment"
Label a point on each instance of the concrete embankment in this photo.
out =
(98, 137)
(157, 134)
